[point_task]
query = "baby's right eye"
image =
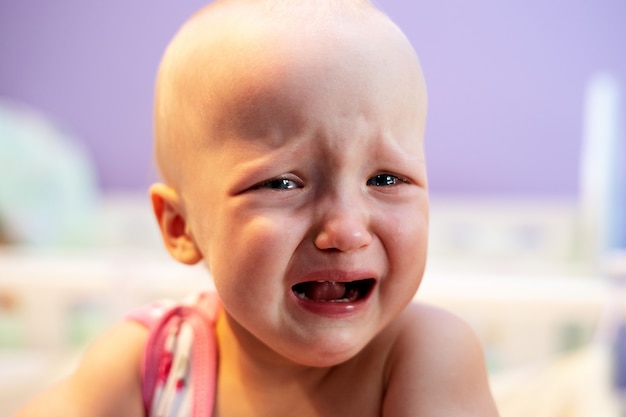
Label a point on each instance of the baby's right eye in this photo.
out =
(278, 184)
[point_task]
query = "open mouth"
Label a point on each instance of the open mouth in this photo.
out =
(334, 292)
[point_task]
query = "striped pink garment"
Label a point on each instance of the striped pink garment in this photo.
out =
(180, 362)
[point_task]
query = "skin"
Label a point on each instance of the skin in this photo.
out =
(292, 151)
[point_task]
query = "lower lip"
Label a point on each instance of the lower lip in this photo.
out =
(332, 309)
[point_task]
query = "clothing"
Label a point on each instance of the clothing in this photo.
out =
(179, 369)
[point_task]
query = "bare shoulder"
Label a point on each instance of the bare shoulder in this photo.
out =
(436, 367)
(106, 382)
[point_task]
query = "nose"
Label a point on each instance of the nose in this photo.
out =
(344, 227)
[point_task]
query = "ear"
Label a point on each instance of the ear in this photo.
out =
(174, 230)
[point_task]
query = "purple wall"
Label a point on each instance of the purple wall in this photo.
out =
(506, 81)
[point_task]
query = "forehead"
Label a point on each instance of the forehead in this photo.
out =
(247, 77)
(318, 76)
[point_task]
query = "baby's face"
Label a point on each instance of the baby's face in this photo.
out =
(307, 196)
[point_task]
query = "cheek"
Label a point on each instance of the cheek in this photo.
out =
(406, 242)
(406, 227)
(253, 253)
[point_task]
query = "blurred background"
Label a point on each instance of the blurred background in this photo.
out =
(525, 145)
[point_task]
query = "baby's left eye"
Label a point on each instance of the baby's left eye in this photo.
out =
(383, 180)
(278, 184)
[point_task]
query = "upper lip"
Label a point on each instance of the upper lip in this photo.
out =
(337, 275)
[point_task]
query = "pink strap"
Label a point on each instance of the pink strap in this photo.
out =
(204, 366)
(201, 318)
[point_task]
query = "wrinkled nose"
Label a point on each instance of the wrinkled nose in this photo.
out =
(344, 227)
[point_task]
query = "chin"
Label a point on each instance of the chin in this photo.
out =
(329, 351)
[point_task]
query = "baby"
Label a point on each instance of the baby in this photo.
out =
(289, 135)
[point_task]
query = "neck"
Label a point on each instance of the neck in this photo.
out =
(253, 377)
(256, 381)
(243, 352)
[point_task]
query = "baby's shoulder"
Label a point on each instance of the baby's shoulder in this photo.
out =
(436, 365)
(429, 325)
(110, 371)
(106, 381)
(431, 337)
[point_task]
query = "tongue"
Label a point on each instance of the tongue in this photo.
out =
(324, 291)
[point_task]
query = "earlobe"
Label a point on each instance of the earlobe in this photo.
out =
(172, 223)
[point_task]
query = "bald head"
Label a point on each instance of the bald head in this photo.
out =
(231, 53)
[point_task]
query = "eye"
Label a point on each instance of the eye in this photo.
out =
(278, 184)
(384, 180)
